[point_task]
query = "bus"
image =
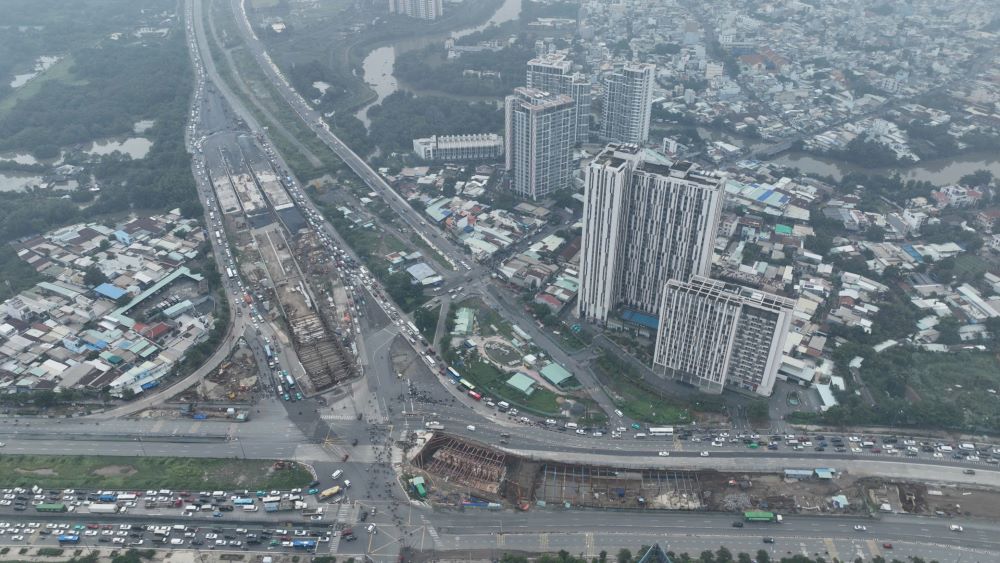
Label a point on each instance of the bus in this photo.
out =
(430, 360)
(127, 497)
(661, 431)
(329, 492)
(268, 352)
(412, 327)
(243, 501)
(454, 374)
(229, 273)
(218, 235)
(69, 538)
(304, 544)
(50, 507)
(288, 379)
(466, 385)
(475, 395)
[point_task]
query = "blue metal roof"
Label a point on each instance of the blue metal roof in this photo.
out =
(110, 291)
(642, 319)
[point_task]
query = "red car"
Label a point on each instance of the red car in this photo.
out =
(887, 546)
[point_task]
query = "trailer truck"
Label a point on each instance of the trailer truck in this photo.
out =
(761, 516)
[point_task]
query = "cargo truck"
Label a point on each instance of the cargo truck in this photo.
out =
(761, 516)
(103, 508)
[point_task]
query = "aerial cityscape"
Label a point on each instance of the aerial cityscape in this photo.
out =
(511, 281)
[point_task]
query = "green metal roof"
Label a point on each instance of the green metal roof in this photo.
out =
(555, 373)
(522, 383)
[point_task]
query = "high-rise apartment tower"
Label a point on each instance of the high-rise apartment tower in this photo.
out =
(540, 134)
(628, 103)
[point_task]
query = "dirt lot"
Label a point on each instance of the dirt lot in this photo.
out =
(732, 492)
(948, 500)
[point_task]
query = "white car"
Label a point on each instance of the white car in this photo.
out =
(860, 528)
(956, 528)
(704, 454)
(664, 454)
(937, 454)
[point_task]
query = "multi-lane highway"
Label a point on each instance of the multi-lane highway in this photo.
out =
(380, 407)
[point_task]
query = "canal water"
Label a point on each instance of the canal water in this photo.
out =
(938, 172)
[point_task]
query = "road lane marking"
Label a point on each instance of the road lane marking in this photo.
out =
(873, 548)
(831, 548)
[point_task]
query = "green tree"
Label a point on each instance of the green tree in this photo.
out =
(93, 276)
(624, 556)
(948, 331)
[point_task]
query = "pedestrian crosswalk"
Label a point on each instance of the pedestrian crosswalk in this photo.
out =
(346, 513)
(342, 415)
(432, 532)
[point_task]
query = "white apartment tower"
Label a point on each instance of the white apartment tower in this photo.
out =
(628, 102)
(552, 73)
(420, 9)
(645, 221)
(714, 334)
(540, 134)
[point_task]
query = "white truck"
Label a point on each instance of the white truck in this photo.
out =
(103, 508)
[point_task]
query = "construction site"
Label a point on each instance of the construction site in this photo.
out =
(233, 381)
(461, 472)
(313, 323)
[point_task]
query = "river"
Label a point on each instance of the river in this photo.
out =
(378, 65)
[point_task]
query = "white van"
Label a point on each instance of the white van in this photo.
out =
(967, 447)
(571, 425)
(944, 449)
(337, 474)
